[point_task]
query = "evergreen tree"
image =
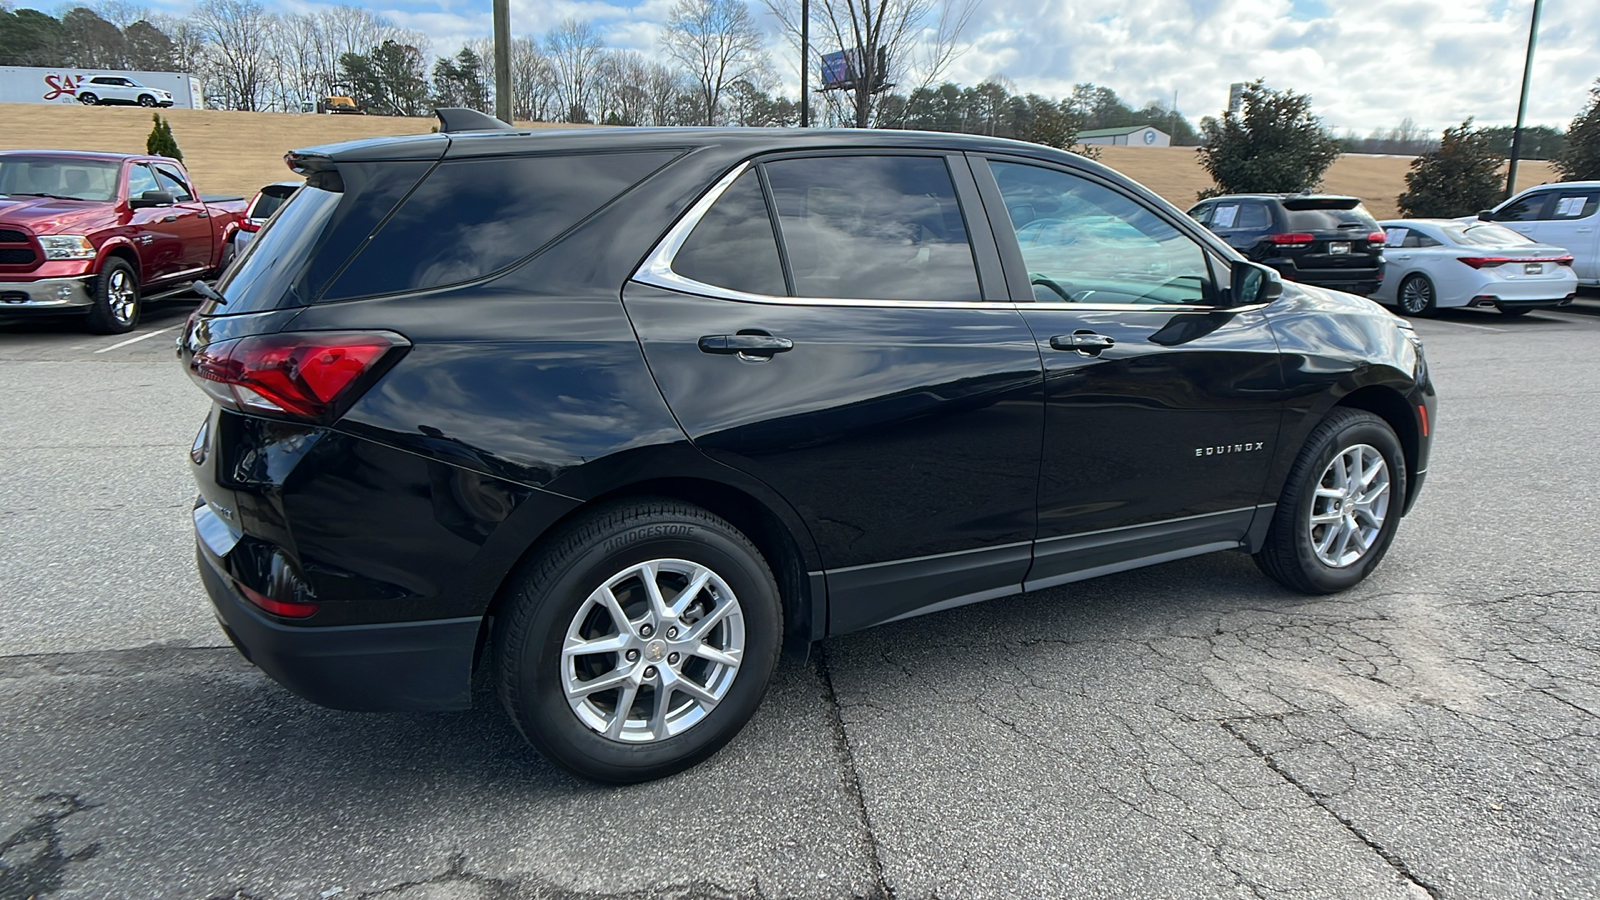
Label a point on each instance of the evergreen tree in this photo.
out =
(1580, 160)
(1458, 179)
(160, 141)
(1273, 145)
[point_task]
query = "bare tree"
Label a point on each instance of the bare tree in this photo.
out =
(914, 40)
(717, 43)
(237, 35)
(575, 50)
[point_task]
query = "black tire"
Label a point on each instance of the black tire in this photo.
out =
(551, 591)
(1515, 311)
(229, 251)
(147, 101)
(1288, 555)
(114, 311)
(88, 99)
(1423, 298)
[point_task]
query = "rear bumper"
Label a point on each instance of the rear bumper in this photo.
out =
(45, 296)
(390, 667)
(1353, 280)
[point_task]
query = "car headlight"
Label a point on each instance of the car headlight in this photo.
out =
(66, 246)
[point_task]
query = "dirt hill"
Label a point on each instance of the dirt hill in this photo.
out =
(237, 152)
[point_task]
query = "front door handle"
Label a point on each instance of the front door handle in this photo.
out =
(752, 344)
(1085, 342)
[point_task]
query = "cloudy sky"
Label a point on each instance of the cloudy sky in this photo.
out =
(1366, 64)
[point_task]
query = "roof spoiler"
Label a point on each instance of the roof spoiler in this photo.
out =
(457, 119)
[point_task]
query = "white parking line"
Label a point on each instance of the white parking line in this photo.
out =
(1465, 325)
(135, 340)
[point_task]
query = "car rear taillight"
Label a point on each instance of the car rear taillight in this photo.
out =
(1291, 240)
(1563, 261)
(1377, 238)
(312, 374)
(277, 607)
(1483, 262)
(250, 225)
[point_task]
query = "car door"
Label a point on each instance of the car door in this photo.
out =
(191, 220)
(1569, 221)
(1419, 248)
(1163, 403)
(161, 252)
(864, 370)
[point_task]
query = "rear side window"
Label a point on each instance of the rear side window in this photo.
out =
(1253, 217)
(733, 246)
(873, 228)
(1573, 205)
(473, 217)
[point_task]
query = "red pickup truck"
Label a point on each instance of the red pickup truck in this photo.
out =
(96, 234)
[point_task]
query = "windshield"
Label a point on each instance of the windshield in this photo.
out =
(1484, 234)
(61, 177)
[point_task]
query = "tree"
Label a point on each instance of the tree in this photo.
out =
(1580, 161)
(148, 49)
(390, 80)
(31, 38)
(1274, 144)
(915, 40)
(459, 81)
(1458, 179)
(575, 51)
(236, 35)
(717, 42)
(92, 42)
(160, 141)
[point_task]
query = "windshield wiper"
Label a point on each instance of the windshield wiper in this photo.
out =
(42, 194)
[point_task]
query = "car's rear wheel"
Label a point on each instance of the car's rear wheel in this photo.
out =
(639, 641)
(116, 299)
(146, 100)
(1340, 505)
(88, 99)
(1416, 296)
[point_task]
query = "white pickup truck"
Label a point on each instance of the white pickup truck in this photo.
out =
(1565, 214)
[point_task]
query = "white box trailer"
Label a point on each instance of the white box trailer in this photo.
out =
(24, 84)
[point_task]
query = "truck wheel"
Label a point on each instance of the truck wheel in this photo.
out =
(229, 251)
(1340, 505)
(146, 100)
(116, 299)
(88, 99)
(639, 641)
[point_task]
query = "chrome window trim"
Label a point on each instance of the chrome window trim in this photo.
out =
(656, 271)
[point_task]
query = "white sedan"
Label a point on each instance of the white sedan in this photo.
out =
(1436, 263)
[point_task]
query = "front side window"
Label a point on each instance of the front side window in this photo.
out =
(140, 180)
(1523, 209)
(733, 245)
(1084, 243)
(873, 228)
(172, 181)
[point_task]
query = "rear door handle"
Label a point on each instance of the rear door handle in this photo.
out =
(1082, 341)
(753, 344)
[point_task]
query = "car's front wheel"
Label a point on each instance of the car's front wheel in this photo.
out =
(1340, 505)
(1417, 297)
(639, 641)
(147, 101)
(116, 299)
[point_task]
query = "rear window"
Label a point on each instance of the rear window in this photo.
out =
(264, 275)
(473, 217)
(272, 197)
(1484, 234)
(1328, 215)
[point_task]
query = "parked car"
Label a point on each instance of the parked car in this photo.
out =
(101, 90)
(98, 234)
(1439, 263)
(1321, 239)
(267, 201)
(1558, 215)
(616, 414)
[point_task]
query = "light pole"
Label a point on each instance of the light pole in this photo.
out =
(502, 60)
(1522, 105)
(805, 64)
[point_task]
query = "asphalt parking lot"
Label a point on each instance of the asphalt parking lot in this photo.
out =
(1190, 730)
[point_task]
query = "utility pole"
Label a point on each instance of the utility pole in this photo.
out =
(805, 63)
(502, 60)
(1522, 105)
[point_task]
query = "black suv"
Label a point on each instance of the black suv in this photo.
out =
(1319, 239)
(619, 413)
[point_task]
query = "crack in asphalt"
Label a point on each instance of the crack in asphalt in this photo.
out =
(1395, 860)
(26, 875)
(882, 890)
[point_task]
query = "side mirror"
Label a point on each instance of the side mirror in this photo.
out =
(150, 199)
(1486, 215)
(1254, 284)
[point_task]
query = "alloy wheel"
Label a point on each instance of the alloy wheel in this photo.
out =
(121, 296)
(1416, 296)
(652, 650)
(1350, 506)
